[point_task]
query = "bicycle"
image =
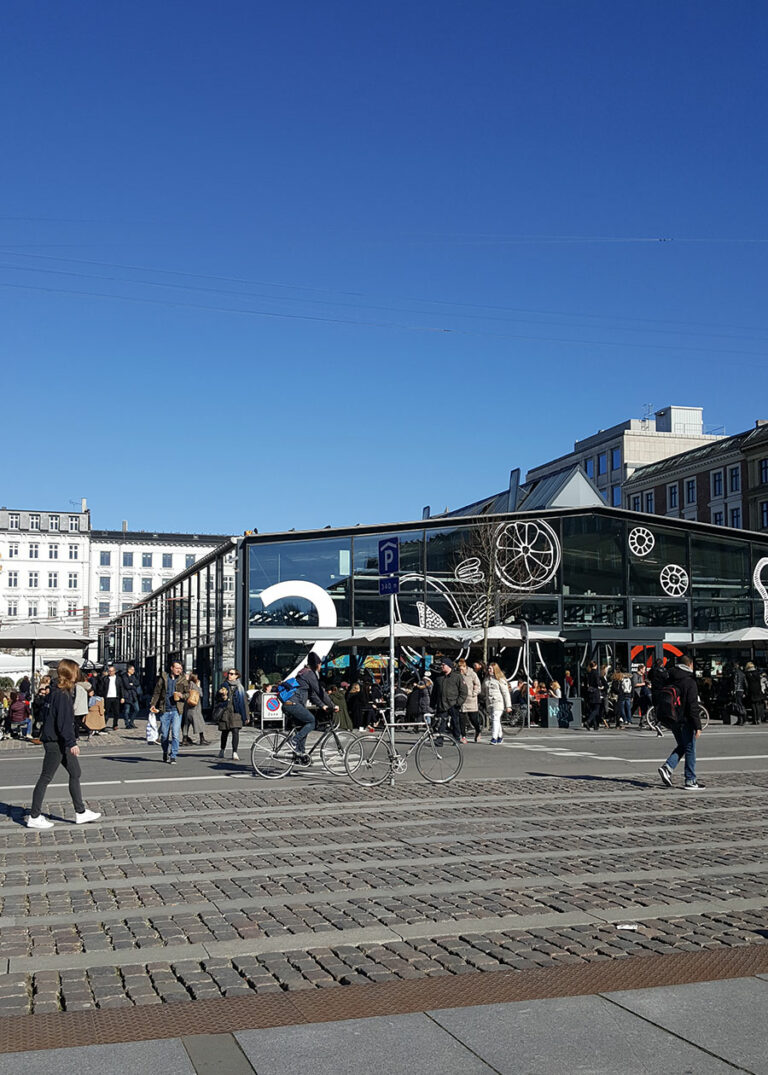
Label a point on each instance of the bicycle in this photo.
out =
(273, 754)
(370, 760)
(513, 722)
(655, 725)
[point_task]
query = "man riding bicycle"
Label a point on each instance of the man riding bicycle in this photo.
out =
(308, 692)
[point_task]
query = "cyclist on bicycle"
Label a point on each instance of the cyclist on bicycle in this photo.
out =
(308, 692)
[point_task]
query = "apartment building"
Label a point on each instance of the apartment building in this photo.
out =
(610, 456)
(725, 483)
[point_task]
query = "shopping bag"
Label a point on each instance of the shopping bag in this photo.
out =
(152, 733)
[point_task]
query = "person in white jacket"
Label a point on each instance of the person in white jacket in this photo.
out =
(497, 700)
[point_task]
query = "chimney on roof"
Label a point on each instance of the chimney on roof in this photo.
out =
(125, 525)
(761, 422)
(83, 505)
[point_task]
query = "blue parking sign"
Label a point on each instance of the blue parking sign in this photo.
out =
(389, 556)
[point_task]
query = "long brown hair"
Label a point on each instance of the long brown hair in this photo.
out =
(67, 672)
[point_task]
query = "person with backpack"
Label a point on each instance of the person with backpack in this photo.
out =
(678, 709)
(621, 688)
(296, 694)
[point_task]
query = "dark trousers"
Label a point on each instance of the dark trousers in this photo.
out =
(235, 738)
(56, 755)
(450, 721)
(111, 710)
(473, 716)
(130, 713)
(301, 716)
(595, 714)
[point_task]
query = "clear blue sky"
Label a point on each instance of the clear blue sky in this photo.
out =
(293, 264)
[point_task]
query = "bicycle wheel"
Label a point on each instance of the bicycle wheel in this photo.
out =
(650, 717)
(367, 760)
(703, 716)
(333, 748)
(515, 721)
(272, 754)
(439, 758)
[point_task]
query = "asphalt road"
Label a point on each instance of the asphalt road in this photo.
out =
(135, 768)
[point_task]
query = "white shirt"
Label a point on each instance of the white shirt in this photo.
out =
(112, 688)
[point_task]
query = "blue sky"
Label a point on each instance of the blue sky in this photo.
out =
(298, 264)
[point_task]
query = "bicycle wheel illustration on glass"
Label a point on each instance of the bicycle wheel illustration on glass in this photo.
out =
(368, 761)
(439, 758)
(333, 749)
(272, 754)
(527, 555)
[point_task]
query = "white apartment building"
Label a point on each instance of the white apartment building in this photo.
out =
(54, 567)
(44, 565)
(610, 456)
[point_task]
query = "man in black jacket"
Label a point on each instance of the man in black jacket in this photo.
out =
(309, 691)
(450, 695)
(131, 689)
(687, 729)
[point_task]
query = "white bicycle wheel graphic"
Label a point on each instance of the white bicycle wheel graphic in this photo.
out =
(674, 580)
(527, 555)
(641, 541)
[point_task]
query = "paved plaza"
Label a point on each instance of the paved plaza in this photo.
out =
(559, 857)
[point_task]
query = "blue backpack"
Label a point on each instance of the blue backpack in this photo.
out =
(287, 689)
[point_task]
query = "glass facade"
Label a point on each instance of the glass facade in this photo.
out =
(266, 600)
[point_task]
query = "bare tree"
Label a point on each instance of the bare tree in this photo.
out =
(478, 569)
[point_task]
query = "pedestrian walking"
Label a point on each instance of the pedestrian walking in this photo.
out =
(595, 697)
(60, 747)
(231, 712)
(110, 690)
(168, 700)
(450, 695)
(755, 693)
(470, 708)
(131, 692)
(194, 721)
(739, 694)
(497, 700)
(679, 707)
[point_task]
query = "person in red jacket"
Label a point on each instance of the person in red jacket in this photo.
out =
(18, 714)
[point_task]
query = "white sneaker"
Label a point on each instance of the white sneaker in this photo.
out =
(221, 753)
(39, 823)
(86, 816)
(235, 757)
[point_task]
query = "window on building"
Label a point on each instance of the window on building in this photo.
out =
(616, 496)
(734, 479)
(615, 458)
(13, 608)
(53, 580)
(167, 560)
(34, 551)
(127, 559)
(764, 515)
(146, 585)
(13, 550)
(736, 518)
(74, 552)
(53, 522)
(763, 471)
(72, 578)
(126, 605)
(672, 496)
(718, 518)
(146, 559)
(649, 502)
(637, 503)
(229, 611)
(53, 552)
(34, 521)
(34, 580)
(602, 463)
(53, 611)
(189, 559)
(32, 609)
(589, 467)
(71, 608)
(105, 583)
(13, 579)
(103, 608)
(717, 483)
(105, 558)
(690, 491)
(74, 524)
(127, 585)
(228, 584)
(13, 520)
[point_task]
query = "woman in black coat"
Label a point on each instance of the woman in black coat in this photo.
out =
(755, 693)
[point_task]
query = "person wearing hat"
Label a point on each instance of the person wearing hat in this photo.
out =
(450, 695)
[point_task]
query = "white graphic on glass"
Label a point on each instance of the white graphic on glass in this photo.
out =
(674, 580)
(641, 541)
(316, 595)
(469, 571)
(527, 555)
(761, 585)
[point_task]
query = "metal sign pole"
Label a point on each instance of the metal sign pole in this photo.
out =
(392, 680)
(389, 583)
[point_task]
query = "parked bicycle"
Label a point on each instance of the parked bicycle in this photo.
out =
(656, 725)
(273, 753)
(370, 760)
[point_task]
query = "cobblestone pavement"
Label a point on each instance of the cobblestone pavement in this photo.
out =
(179, 897)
